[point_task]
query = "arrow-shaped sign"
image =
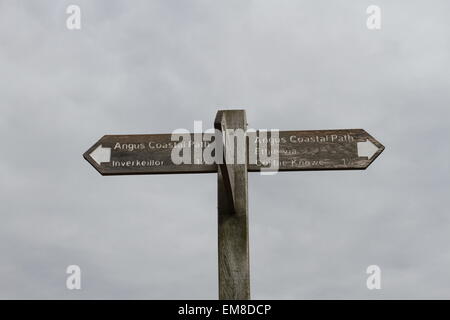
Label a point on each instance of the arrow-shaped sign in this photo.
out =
(366, 149)
(297, 150)
(101, 154)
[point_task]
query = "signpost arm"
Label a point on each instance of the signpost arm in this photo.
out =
(233, 241)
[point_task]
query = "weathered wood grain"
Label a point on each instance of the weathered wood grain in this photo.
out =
(313, 150)
(233, 240)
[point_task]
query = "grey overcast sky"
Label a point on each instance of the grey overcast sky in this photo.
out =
(154, 66)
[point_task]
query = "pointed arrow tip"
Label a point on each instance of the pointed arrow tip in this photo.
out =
(101, 154)
(367, 149)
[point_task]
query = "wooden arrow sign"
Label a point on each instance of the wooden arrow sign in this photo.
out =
(297, 150)
(139, 154)
(349, 149)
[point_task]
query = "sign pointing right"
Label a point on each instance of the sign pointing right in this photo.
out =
(322, 150)
(366, 149)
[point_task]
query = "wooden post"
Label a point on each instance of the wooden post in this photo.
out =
(233, 243)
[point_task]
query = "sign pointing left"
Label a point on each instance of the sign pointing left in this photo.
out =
(101, 154)
(140, 154)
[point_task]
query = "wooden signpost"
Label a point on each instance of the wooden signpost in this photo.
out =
(286, 151)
